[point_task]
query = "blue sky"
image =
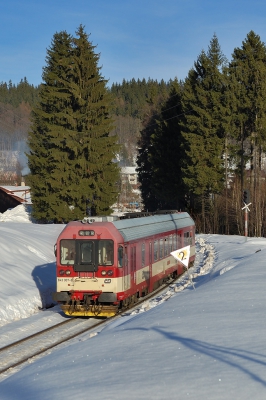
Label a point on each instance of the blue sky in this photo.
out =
(159, 39)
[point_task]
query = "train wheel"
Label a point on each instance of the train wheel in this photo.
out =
(144, 293)
(126, 302)
(174, 275)
(134, 299)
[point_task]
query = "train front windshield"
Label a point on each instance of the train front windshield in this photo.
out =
(86, 255)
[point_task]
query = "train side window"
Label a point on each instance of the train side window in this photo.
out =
(120, 256)
(170, 244)
(186, 238)
(143, 254)
(175, 244)
(166, 246)
(179, 245)
(191, 238)
(155, 250)
(161, 248)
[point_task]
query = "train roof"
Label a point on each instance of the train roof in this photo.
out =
(137, 228)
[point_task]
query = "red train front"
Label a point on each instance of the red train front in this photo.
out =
(104, 264)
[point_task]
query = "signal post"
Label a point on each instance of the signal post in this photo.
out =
(246, 200)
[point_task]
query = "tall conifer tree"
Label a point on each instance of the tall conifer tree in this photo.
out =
(202, 126)
(145, 172)
(71, 153)
(166, 154)
(151, 177)
(247, 73)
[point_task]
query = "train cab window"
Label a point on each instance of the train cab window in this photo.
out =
(166, 246)
(106, 252)
(161, 248)
(67, 251)
(155, 250)
(86, 250)
(143, 254)
(120, 256)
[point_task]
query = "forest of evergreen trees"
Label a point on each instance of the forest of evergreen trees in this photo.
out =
(198, 143)
(206, 143)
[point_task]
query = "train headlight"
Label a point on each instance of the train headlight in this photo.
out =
(103, 272)
(68, 272)
(110, 272)
(61, 272)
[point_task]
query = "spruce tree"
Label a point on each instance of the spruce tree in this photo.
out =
(151, 190)
(145, 172)
(166, 154)
(247, 77)
(71, 153)
(202, 125)
(247, 72)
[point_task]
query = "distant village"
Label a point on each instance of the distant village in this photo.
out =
(13, 190)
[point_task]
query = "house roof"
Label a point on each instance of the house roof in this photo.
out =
(19, 193)
(128, 170)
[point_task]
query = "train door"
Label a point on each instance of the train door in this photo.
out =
(126, 274)
(133, 266)
(150, 268)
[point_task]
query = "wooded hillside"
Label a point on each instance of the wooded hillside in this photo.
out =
(132, 101)
(198, 144)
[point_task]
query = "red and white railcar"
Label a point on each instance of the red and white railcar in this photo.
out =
(104, 263)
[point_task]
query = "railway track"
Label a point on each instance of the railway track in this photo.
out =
(21, 351)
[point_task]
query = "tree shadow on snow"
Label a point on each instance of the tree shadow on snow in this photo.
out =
(236, 358)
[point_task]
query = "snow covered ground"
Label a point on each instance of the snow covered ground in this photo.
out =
(204, 340)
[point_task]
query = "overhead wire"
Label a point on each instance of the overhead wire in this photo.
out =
(178, 115)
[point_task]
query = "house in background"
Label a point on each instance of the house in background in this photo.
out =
(12, 196)
(129, 174)
(129, 198)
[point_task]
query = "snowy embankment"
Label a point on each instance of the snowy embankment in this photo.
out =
(27, 265)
